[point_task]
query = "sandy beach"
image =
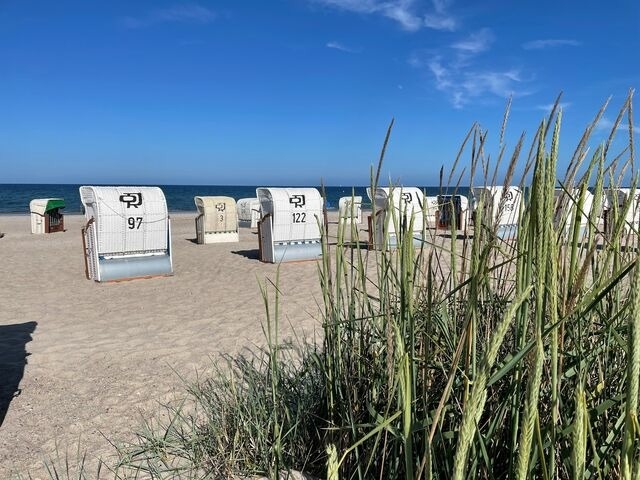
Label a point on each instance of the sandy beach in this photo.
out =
(84, 361)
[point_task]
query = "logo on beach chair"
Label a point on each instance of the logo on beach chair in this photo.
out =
(131, 199)
(406, 197)
(298, 201)
(509, 195)
(221, 207)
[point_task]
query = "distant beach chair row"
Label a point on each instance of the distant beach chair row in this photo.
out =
(128, 232)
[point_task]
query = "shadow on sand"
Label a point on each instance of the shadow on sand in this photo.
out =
(250, 254)
(13, 359)
(459, 236)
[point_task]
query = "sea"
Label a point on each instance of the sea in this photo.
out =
(15, 198)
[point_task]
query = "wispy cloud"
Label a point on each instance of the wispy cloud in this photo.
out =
(606, 124)
(440, 18)
(457, 72)
(404, 12)
(341, 47)
(463, 86)
(476, 42)
(183, 13)
(549, 106)
(550, 43)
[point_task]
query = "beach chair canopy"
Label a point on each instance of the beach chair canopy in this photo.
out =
(128, 233)
(397, 202)
(502, 203)
(290, 226)
(249, 210)
(622, 197)
(44, 205)
(219, 213)
(453, 210)
(394, 206)
(458, 200)
(432, 205)
(127, 219)
(350, 208)
(295, 212)
(567, 202)
(46, 215)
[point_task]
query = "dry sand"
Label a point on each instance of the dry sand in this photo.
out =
(79, 359)
(83, 362)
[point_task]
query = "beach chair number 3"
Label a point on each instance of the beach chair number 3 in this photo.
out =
(299, 217)
(134, 222)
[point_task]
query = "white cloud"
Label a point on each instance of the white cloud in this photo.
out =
(550, 43)
(404, 12)
(440, 19)
(401, 13)
(460, 76)
(549, 106)
(339, 46)
(441, 74)
(501, 84)
(606, 124)
(463, 81)
(476, 42)
(183, 13)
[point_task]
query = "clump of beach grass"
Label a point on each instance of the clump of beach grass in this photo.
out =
(480, 358)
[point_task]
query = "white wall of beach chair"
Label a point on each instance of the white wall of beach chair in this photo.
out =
(620, 198)
(502, 205)
(454, 211)
(289, 229)
(249, 212)
(127, 234)
(217, 220)
(392, 206)
(350, 210)
(432, 208)
(46, 216)
(566, 204)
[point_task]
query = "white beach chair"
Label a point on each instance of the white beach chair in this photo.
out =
(394, 207)
(46, 215)
(432, 208)
(127, 234)
(248, 212)
(350, 210)
(453, 211)
(217, 220)
(501, 208)
(289, 229)
(621, 198)
(565, 211)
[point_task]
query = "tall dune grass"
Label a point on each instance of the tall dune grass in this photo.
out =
(479, 358)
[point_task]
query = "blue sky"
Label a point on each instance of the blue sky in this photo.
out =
(291, 91)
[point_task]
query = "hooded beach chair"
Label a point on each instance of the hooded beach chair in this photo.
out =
(618, 200)
(289, 229)
(453, 211)
(397, 209)
(127, 233)
(350, 210)
(248, 212)
(566, 211)
(217, 220)
(497, 208)
(46, 215)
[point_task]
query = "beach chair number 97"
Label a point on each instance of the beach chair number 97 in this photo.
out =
(134, 222)
(299, 217)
